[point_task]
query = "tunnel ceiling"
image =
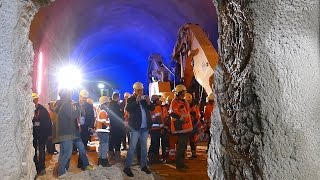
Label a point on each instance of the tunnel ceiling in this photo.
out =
(111, 40)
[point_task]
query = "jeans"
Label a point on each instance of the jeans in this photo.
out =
(64, 156)
(181, 149)
(103, 144)
(126, 134)
(85, 135)
(39, 144)
(82, 152)
(135, 135)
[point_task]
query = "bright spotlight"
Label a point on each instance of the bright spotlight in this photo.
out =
(100, 85)
(69, 77)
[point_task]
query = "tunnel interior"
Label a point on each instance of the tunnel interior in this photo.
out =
(110, 41)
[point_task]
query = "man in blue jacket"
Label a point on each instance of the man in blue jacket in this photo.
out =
(139, 107)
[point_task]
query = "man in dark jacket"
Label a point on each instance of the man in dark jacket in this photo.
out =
(86, 121)
(41, 132)
(86, 116)
(117, 127)
(139, 107)
(66, 132)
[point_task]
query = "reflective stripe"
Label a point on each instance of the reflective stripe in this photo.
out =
(155, 125)
(103, 130)
(183, 131)
(103, 120)
(155, 115)
(36, 124)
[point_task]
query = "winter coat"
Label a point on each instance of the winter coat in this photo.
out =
(42, 116)
(66, 129)
(89, 114)
(135, 116)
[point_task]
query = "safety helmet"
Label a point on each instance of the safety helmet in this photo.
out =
(180, 88)
(211, 97)
(162, 99)
(188, 97)
(35, 96)
(137, 85)
(84, 93)
(169, 98)
(126, 95)
(51, 103)
(104, 99)
(90, 101)
(155, 97)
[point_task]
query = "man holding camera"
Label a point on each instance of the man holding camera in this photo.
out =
(139, 107)
(181, 124)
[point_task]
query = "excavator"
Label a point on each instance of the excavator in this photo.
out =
(195, 60)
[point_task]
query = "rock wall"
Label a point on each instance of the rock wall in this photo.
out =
(287, 70)
(16, 109)
(267, 83)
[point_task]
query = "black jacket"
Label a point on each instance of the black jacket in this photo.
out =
(66, 129)
(115, 116)
(42, 116)
(89, 115)
(135, 116)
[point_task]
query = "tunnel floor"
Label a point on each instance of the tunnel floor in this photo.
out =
(198, 168)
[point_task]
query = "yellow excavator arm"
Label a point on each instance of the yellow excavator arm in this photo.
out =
(196, 55)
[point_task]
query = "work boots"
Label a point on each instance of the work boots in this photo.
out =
(111, 156)
(104, 163)
(117, 156)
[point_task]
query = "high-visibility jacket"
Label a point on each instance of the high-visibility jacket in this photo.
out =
(102, 121)
(166, 116)
(179, 108)
(195, 114)
(157, 118)
(208, 109)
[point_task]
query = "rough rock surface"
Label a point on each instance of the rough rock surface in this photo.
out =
(237, 133)
(286, 67)
(16, 109)
(267, 86)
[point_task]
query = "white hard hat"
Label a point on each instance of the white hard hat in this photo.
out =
(35, 96)
(155, 97)
(211, 97)
(180, 88)
(137, 85)
(126, 95)
(104, 99)
(84, 93)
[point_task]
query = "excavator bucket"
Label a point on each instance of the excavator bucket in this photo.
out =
(205, 57)
(201, 59)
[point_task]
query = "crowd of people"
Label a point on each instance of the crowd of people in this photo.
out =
(171, 122)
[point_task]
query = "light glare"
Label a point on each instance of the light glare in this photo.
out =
(69, 77)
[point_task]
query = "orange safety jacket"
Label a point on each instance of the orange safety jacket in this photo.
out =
(102, 122)
(166, 116)
(208, 109)
(157, 118)
(179, 108)
(195, 115)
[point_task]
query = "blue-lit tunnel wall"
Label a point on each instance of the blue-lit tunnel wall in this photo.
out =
(111, 40)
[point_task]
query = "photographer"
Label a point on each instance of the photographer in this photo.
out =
(139, 107)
